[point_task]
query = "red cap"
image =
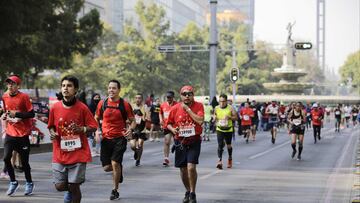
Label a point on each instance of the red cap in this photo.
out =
(14, 78)
(187, 88)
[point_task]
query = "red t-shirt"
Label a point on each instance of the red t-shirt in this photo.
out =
(246, 114)
(165, 111)
(62, 119)
(315, 115)
(113, 124)
(178, 117)
(19, 103)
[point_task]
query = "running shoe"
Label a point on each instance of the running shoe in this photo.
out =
(114, 195)
(29, 188)
(67, 197)
(187, 197)
(166, 162)
(13, 186)
(219, 165)
(229, 163)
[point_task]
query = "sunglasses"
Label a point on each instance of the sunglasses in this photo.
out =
(187, 94)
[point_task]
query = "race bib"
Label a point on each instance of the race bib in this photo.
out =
(246, 118)
(223, 122)
(166, 115)
(297, 122)
(13, 120)
(282, 116)
(34, 133)
(316, 117)
(186, 131)
(337, 112)
(70, 144)
(347, 115)
(138, 119)
(308, 114)
(354, 114)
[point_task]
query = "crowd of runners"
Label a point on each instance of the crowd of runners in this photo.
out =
(105, 126)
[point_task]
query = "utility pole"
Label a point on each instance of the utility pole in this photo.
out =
(320, 34)
(213, 43)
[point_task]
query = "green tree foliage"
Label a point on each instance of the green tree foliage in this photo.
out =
(351, 69)
(44, 34)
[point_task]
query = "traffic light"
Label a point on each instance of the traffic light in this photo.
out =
(234, 74)
(303, 45)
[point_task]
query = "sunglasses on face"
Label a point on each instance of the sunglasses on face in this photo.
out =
(187, 94)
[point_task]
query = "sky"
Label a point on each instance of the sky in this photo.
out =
(342, 25)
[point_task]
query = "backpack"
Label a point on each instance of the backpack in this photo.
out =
(121, 107)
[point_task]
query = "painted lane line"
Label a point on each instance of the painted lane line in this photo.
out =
(210, 174)
(331, 182)
(269, 150)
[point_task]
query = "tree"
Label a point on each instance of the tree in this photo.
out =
(351, 70)
(41, 34)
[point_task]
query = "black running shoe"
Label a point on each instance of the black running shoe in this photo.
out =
(299, 157)
(293, 154)
(192, 198)
(272, 140)
(114, 195)
(137, 163)
(187, 197)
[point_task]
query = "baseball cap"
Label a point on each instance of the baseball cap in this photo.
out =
(14, 78)
(170, 94)
(315, 105)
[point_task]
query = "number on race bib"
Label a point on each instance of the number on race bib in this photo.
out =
(138, 119)
(297, 122)
(223, 122)
(70, 144)
(186, 131)
(246, 117)
(166, 115)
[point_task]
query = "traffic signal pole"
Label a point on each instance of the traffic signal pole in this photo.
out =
(213, 43)
(234, 81)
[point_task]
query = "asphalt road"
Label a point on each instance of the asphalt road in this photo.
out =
(262, 172)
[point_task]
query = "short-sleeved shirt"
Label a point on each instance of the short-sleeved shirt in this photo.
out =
(62, 119)
(246, 115)
(165, 111)
(20, 103)
(113, 124)
(178, 117)
(316, 117)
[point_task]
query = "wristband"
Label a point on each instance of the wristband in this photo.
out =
(84, 129)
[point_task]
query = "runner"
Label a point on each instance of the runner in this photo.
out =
(69, 121)
(328, 112)
(155, 120)
(273, 111)
(347, 112)
(308, 115)
(95, 99)
(207, 119)
(354, 113)
(297, 121)
(337, 114)
(185, 120)
(164, 115)
(139, 136)
(225, 116)
(114, 112)
(247, 115)
(18, 113)
(254, 119)
(316, 117)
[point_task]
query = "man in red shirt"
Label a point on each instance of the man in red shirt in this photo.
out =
(316, 117)
(184, 121)
(17, 113)
(114, 112)
(247, 114)
(164, 114)
(69, 122)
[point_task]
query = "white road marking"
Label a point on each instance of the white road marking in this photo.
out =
(269, 150)
(210, 174)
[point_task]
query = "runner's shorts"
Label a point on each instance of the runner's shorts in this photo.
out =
(69, 173)
(185, 154)
(298, 130)
(112, 150)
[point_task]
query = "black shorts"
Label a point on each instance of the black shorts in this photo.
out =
(354, 118)
(137, 136)
(245, 127)
(298, 130)
(166, 131)
(255, 122)
(112, 150)
(185, 154)
(227, 136)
